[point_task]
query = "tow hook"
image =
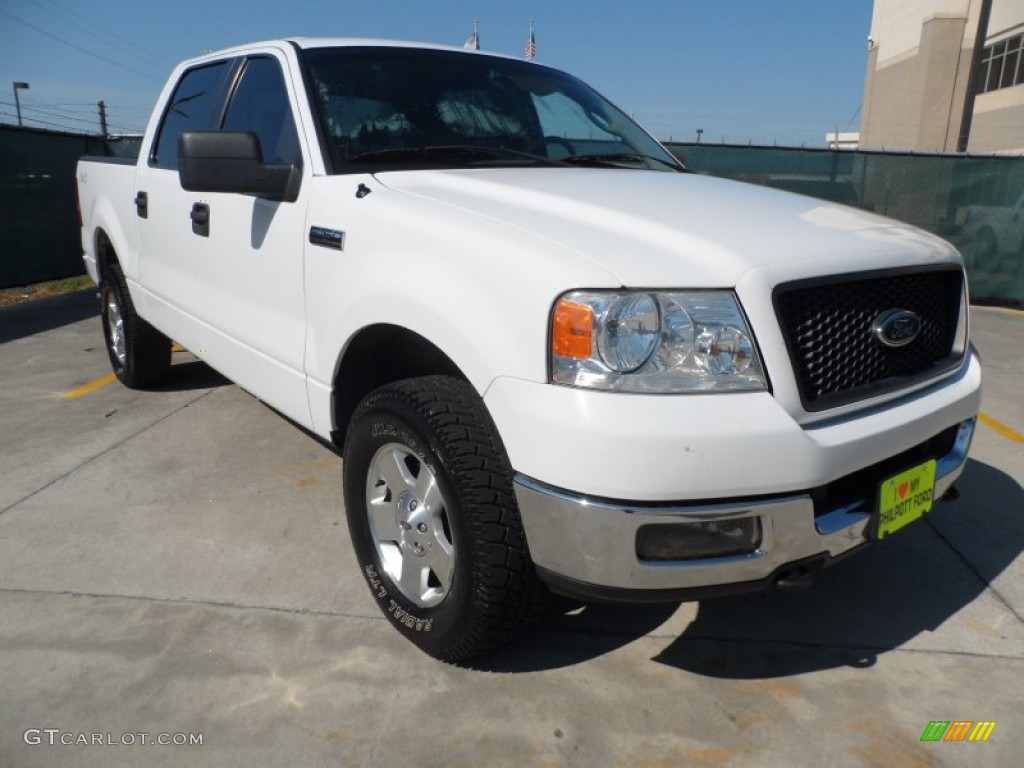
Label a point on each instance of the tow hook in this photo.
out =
(794, 579)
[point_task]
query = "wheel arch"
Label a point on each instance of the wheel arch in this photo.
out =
(376, 355)
(111, 238)
(106, 254)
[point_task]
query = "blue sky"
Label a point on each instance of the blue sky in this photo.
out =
(784, 71)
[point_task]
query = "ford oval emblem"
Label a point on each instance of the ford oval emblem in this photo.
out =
(896, 327)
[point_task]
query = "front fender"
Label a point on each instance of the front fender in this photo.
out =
(478, 289)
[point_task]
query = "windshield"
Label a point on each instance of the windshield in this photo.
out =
(392, 108)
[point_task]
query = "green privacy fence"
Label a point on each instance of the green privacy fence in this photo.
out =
(39, 234)
(975, 202)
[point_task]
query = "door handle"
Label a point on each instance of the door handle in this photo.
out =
(200, 216)
(142, 205)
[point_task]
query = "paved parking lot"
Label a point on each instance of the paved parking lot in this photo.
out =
(176, 562)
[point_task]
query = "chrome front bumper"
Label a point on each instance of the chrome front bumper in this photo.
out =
(588, 548)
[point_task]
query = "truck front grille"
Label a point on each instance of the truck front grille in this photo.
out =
(838, 359)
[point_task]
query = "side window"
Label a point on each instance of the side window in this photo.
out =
(260, 105)
(192, 108)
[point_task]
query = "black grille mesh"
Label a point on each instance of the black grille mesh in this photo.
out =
(835, 356)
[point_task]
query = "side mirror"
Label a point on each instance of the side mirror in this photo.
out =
(229, 161)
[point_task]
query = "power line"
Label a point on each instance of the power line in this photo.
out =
(57, 115)
(90, 104)
(110, 33)
(45, 109)
(95, 55)
(87, 107)
(145, 55)
(28, 108)
(854, 117)
(70, 113)
(63, 111)
(46, 122)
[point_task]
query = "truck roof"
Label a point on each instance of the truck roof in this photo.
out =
(337, 42)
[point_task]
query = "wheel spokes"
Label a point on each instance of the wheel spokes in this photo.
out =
(392, 469)
(383, 519)
(408, 522)
(429, 492)
(115, 322)
(440, 561)
(414, 576)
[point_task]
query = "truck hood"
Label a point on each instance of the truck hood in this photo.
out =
(655, 229)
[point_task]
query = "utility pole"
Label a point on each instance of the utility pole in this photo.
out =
(103, 118)
(974, 84)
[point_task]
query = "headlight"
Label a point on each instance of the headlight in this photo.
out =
(639, 341)
(629, 333)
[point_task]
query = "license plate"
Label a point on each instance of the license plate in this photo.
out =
(905, 497)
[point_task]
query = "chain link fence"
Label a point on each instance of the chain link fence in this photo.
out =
(975, 202)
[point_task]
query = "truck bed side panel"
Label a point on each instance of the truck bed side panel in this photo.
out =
(106, 188)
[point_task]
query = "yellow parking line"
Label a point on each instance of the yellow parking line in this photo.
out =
(1002, 429)
(1013, 311)
(176, 347)
(92, 386)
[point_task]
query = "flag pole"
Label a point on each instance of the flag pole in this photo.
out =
(473, 42)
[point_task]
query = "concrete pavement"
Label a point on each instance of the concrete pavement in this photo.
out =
(177, 562)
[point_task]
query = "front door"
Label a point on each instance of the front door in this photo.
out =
(224, 271)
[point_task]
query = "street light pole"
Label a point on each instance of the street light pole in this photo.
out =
(17, 101)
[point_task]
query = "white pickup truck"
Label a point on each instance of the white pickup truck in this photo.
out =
(551, 357)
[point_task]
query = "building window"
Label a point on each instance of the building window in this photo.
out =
(1002, 65)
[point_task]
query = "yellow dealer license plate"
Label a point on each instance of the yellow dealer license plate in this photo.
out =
(905, 497)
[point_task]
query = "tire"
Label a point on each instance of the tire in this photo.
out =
(433, 518)
(139, 354)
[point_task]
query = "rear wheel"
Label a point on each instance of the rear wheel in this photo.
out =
(139, 354)
(433, 518)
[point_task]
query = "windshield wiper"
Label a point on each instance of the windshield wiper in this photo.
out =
(453, 153)
(616, 159)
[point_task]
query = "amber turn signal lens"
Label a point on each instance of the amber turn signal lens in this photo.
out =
(573, 332)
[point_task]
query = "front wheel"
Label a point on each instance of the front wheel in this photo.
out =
(433, 518)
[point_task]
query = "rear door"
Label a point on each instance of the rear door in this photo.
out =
(227, 268)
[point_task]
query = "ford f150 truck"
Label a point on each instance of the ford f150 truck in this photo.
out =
(552, 359)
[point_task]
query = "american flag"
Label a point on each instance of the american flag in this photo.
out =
(531, 45)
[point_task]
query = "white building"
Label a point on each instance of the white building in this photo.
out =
(842, 139)
(920, 94)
